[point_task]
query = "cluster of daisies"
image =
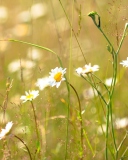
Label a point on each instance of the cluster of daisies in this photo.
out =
(55, 79)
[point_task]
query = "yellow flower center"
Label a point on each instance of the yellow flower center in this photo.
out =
(58, 77)
(30, 96)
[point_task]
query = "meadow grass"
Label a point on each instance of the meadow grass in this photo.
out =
(63, 82)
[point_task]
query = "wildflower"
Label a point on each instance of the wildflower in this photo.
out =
(5, 131)
(56, 76)
(121, 123)
(3, 14)
(30, 95)
(108, 82)
(87, 69)
(125, 63)
(90, 93)
(17, 64)
(38, 10)
(34, 54)
(42, 83)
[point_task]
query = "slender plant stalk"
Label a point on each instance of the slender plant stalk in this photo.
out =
(73, 30)
(24, 145)
(122, 142)
(35, 118)
(95, 89)
(82, 130)
(36, 126)
(123, 155)
(67, 126)
(81, 121)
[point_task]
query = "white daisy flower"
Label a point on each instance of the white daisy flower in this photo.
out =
(87, 69)
(42, 83)
(5, 131)
(56, 76)
(125, 63)
(30, 95)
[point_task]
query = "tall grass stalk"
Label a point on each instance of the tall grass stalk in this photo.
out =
(36, 125)
(73, 30)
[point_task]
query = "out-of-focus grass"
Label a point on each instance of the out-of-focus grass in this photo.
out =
(53, 31)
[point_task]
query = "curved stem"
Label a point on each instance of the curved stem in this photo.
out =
(95, 89)
(24, 145)
(81, 121)
(35, 118)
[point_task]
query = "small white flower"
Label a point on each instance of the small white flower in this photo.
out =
(125, 63)
(42, 83)
(56, 76)
(87, 69)
(30, 95)
(34, 54)
(5, 131)
(17, 64)
(90, 93)
(121, 123)
(3, 14)
(38, 10)
(108, 82)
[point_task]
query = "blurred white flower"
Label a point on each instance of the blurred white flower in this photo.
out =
(30, 95)
(90, 93)
(38, 10)
(108, 82)
(5, 131)
(87, 69)
(3, 14)
(3, 45)
(22, 30)
(24, 16)
(42, 83)
(56, 76)
(101, 130)
(17, 64)
(34, 53)
(125, 63)
(121, 123)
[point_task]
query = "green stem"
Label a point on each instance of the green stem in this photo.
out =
(95, 89)
(106, 135)
(123, 155)
(122, 142)
(122, 39)
(67, 126)
(24, 145)
(38, 46)
(81, 121)
(35, 118)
